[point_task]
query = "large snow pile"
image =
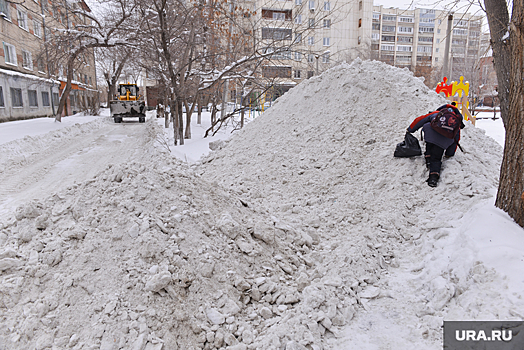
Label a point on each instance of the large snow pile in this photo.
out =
(333, 176)
(143, 255)
(286, 238)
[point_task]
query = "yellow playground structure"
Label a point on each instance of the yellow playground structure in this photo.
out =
(459, 93)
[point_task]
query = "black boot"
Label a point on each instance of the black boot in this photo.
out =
(433, 179)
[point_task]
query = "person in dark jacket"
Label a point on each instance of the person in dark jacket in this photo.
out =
(436, 144)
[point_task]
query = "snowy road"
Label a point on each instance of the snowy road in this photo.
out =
(59, 165)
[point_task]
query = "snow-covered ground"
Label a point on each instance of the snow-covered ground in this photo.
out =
(300, 232)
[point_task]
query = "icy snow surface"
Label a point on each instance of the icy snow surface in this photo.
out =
(301, 232)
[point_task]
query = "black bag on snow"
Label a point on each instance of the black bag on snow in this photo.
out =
(409, 147)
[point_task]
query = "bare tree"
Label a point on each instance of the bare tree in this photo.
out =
(70, 42)
(111, 62)
(507, 41)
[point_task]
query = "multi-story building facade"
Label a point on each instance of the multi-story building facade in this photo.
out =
(309, 36)
(416, 39)
(29, 85)
(318, 34)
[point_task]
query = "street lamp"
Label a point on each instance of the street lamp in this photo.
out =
(316, 57)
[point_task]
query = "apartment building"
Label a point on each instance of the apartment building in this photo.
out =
(416, 39)
(30, 85)
(315, 35)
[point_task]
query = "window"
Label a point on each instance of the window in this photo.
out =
(325, 41)
(438, 31)
(310, 58)
(327, 6)
(311, 4)
(360, 22)
(359, 39)
(311, 40)
(282, 54)
(405, 29)
(387, 48)
(375, 36)
(390, 29)
(327, 23)
(311, 23)
(4, 9)
(2, 104)
(16, 97)
(27, 60)
(309, 74)
(426, 29)
(40, 64)
(375, 26)
(37, 28)
(436, 59)
(55, 98)
(33, 100)
(276, 33)
(404, 48)
(325, 57)
(22, 19)
(437, 49)
(279, 16)
(427, 20)
(298, 19)
(298, 56)
(407, 19)
(376, 16)
(389, 18)
(390, 38)
(438, 41)
(460, 23)
(374, 46)
(405, 39)
(298, 2)
(360, 5)
(10, 54)
(298, 38)
(296, 74)
(439, 21)
(424, 48)
(276, 72)
(425, 39)
(45, 99)
(460, 31)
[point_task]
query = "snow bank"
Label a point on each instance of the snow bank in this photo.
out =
(301, 232)
(143, 255)
(384, 235)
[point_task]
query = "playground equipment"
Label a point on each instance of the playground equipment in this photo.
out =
(452, 90)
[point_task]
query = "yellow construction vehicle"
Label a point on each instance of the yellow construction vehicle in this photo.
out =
(128, 103)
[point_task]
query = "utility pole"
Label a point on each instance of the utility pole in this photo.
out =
(445, 70)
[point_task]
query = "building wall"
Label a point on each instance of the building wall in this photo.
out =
(23, 63)
(428, 39)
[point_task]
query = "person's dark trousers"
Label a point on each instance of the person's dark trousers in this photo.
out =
(433, 155)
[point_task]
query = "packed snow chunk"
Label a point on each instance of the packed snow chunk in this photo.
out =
(214, 316)
(158, 281)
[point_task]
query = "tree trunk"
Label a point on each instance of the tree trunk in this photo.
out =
(199, 115)
(174, 117)
(166, 115)
(67, 88)
(189, 113)
(180, 122)
(509, 65)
